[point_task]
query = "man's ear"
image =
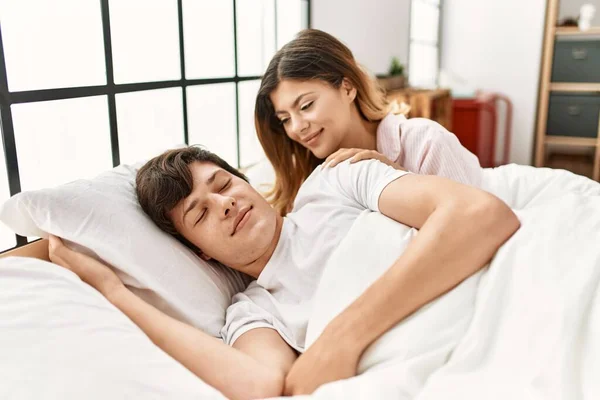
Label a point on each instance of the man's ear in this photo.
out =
(348, 90)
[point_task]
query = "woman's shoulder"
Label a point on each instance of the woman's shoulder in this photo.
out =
(393, 126)
(422, 124)
(423, 130)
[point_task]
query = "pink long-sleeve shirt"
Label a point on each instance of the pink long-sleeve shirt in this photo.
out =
(425, 147)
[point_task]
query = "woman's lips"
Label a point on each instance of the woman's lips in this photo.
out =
(313, 138)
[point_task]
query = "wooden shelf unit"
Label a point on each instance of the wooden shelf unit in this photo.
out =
(568, 31)
(571, 141)
(551, 33)
(434, 104)
(574, 87)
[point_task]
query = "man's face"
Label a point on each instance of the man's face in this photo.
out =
(225, 217)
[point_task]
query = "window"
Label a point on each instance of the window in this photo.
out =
(86, 85)
(212, 119)
(255, 26)
(149, 122)
(423, 60)
(81, 151)
(7, 238)
(212, 19)
(145, 40)
(41, 50)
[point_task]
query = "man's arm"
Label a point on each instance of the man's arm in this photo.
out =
(461, 228)
(266, 346)
(256, 368)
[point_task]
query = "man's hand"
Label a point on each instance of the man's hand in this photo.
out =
(91, 271)
(329, 359)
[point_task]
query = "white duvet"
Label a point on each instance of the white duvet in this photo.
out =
(525, 327)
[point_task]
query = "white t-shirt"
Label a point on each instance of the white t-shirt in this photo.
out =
(326, 206)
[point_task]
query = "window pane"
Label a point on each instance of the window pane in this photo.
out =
(250, 149)
(61, 141)
(52, 44)
(304, 14)
(423, 65)
(289, 20)
(208, 39)
(211, 119)
(150, 122)
(255, 35)
(7, 237)
(145, 40)
(424, 22)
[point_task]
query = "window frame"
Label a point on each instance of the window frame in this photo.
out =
(437, 46)
(110, 90)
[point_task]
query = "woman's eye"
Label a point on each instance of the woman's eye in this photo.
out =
(284, 121)
(307, 106)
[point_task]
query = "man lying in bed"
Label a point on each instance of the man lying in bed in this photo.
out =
(196, 196)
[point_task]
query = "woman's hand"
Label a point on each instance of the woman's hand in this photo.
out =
(329, 359)
(357, 155)
(91, 271)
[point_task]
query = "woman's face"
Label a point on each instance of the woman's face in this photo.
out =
(314, 114)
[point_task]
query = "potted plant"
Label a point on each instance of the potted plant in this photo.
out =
(396, 78)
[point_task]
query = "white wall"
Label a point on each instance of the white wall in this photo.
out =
(497, 46)
(374, 30)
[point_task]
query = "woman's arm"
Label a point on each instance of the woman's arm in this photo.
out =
(461, 228)
(256, 369)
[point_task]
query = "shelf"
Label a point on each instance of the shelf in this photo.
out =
(572, 141)
(573, 31)
(564, 151)
(574, 87)
(579, 164)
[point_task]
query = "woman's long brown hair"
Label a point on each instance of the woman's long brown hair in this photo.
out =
(313, 54)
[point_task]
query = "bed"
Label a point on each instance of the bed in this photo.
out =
(526, 326)
(37, 249)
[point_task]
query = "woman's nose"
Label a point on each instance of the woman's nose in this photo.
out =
(299, 126)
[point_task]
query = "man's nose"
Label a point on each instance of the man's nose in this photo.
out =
(228, 204)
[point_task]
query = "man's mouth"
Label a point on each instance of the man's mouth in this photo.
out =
(241, 219)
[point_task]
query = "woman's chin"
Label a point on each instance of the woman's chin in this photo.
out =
(320, 152)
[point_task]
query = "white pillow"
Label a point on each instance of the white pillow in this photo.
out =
(261, 175)
(104, 216)
(62, 340)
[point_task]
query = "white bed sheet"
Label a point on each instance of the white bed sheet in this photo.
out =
(60, 339)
